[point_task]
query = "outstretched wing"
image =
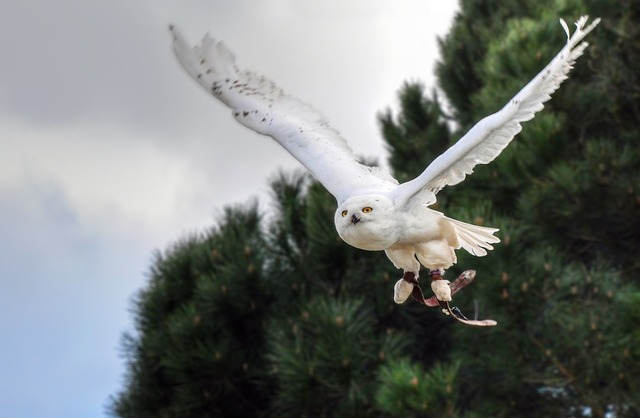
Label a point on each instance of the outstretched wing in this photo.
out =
(263, 107)
(486, 140)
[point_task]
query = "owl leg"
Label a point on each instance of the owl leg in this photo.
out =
(403, 257)
(416, 291)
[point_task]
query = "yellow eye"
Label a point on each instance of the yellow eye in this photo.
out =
(344, 213)
(367, 209)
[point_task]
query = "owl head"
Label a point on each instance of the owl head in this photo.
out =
(367, 222)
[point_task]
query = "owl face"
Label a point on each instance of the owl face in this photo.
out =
(367, 222)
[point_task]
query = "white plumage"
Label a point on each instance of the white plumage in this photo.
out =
(374, 211)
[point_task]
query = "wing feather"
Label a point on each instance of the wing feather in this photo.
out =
(486, 140)
(262, 106)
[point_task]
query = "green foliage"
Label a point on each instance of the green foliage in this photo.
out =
(421, 118)
(560, 332)
(565, 195)
(204, 302)
(406, 390)
(325, 359)
(272, 315)
(460, 69)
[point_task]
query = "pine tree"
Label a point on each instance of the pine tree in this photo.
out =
(206, 299)
(272, 315)
(565, 195)
(273, 318)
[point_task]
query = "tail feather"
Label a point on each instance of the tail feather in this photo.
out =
(476, 240)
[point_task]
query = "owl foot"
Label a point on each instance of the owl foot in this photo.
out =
(463, 280)
(405, 287)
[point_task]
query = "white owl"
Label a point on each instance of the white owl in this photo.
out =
(374, 211)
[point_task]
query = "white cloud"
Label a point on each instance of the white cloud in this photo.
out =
(136, 142)
(111, 177)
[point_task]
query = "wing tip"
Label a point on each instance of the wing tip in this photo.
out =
(174, 31)
(581, 29)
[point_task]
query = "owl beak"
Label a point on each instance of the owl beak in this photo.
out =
(355, 219)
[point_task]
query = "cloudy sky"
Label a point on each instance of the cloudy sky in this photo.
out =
(108, 151)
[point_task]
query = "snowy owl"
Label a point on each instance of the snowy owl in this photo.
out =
(375, 212)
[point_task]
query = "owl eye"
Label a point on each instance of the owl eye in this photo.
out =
(367, 209)
(344, 213)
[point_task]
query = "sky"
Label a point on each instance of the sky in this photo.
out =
(108, 152)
